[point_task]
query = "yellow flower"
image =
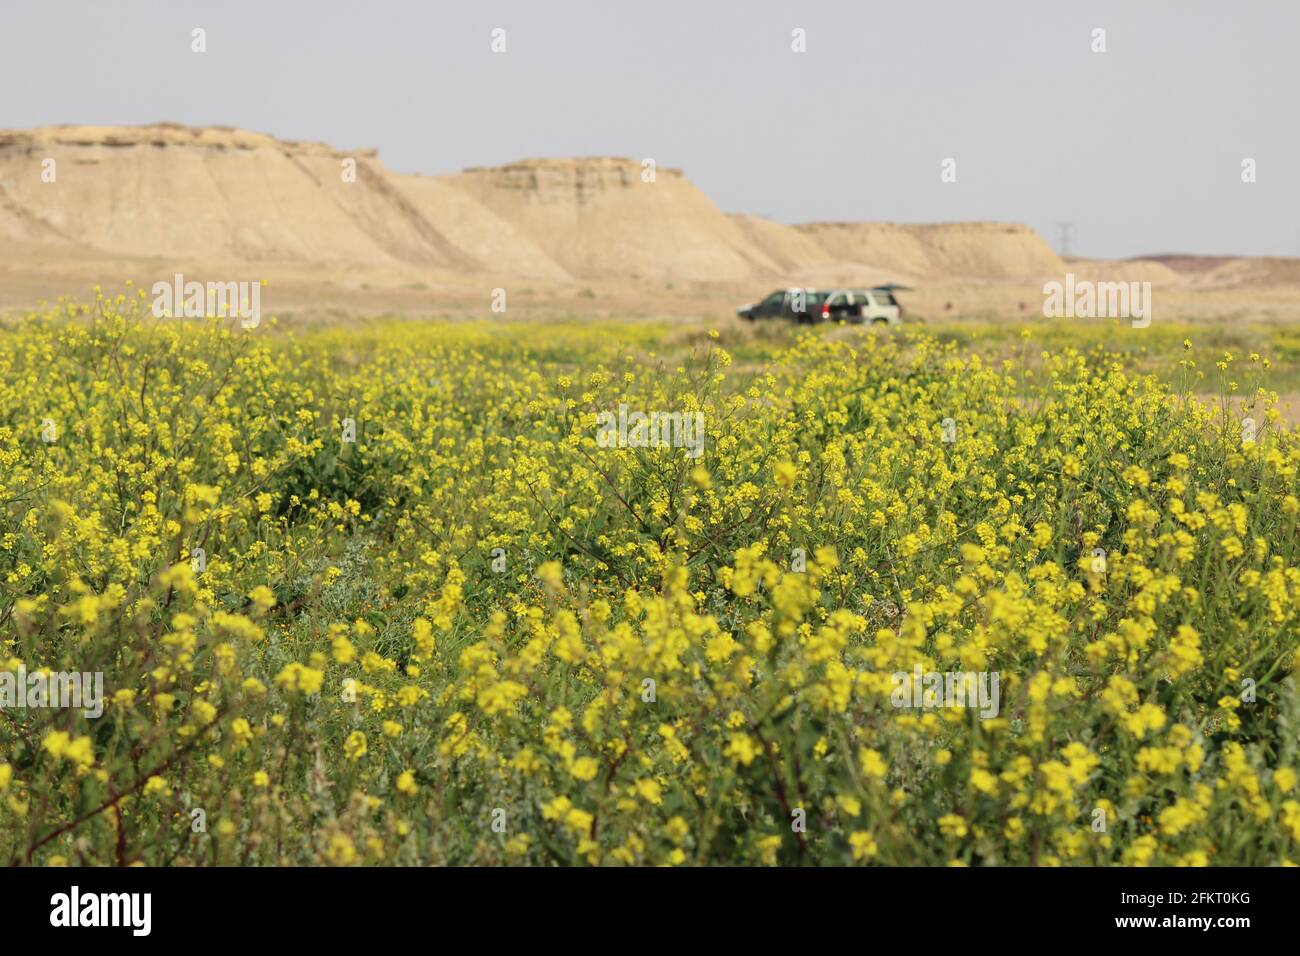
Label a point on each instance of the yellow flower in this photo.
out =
(344, 652)
(355, 746)
(556, 809)
(1284, 778)
(952, 825)
(872, 764)
(78, 750)
(296, 677)
(406, 783)
(579, 821)
(262, 597)
(849, 804)
(551, 574)
(341, 851)
(742, 748)
(862, 845)
(649, 791)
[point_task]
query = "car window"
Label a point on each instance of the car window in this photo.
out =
(774, 299)
(860, 298)
(884, 298)
(810, 297)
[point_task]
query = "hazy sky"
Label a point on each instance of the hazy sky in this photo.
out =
(1140, 147)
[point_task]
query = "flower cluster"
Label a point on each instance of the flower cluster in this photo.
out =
(463, 631)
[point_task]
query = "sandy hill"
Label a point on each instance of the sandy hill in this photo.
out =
(1126, 270)
(1264, 271)
(219, 195)
(1185, 263)
(1226, 272)
(986, 250)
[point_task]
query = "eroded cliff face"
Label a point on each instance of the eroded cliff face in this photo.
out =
(609, 217)
(218, 194)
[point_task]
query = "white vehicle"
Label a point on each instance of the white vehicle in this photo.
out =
(863, 306)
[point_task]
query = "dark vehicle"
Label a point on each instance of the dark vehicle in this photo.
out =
(798, 304)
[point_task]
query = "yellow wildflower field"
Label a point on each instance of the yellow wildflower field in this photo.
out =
(414, 593)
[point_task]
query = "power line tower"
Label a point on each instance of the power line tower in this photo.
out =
(1064, 237)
